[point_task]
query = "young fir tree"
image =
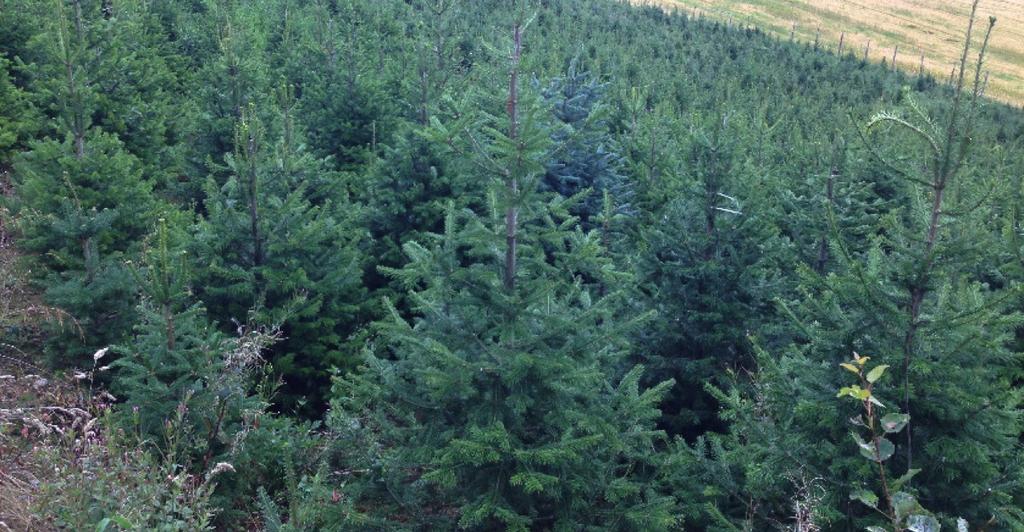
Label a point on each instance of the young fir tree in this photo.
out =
(175, 348)
(441, 56)
(503, 403)
(233, 74)
(347, 112)
(16, 114)
(407, 190)
(711, 263)
(279, 237)
(123, 81)
(84, 201)
(83, 211)
(584, 156)
(918, 302)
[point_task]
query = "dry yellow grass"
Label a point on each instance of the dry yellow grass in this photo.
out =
(932, 29)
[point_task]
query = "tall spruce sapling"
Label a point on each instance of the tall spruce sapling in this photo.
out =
(174, 354)
(193, 393)
(279, 237)
(584, 155)
(945, 152)
(947, 301)
(82, 202)
(914, 296)
(502, 403)
(440, 57)
(710, 265)
(89, 69)
(233, 76)
(347, 112)
(85, 201)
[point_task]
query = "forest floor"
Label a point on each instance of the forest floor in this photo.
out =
(45, 418)
(931, 31)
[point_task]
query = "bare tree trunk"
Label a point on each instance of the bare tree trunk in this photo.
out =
(253, 190)
(512, 214)
(823, 245)
(169, 322)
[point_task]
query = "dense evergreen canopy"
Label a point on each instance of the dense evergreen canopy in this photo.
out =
(527, 265)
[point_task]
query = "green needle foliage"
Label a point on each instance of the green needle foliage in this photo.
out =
(529, 265)
(503, 402)
(175, 350)
(278, 237)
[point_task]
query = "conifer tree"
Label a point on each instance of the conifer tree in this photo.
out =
(84, 200)
(407, 190)
(584, 155)
(175, 349)
(233, 77)
(915, 299)
(503, 402)
(711, 264)
(16, 114)
(93, 67)
(441, 57)
(279, 238)
(83, 211)
(346, 112)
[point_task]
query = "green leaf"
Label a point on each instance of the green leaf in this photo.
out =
(866, 449)
(876, 373)
(893, 423)
(922, 523)
(905, 504)
(898, 483)
(851, 368)
(854, 391)
(884, 451)
(865, 496)
(118, 520)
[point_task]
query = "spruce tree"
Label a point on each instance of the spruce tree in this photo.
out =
(83, 212)
(504, 402)
(711, 263)
(175, 349)
(232, 76)
(108, 66)
(279, 238)
(83, 197)
(347, 112)
(584, 156)
(919, 299)
(407, 190)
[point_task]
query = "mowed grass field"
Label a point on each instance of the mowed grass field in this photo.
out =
(932, 28)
